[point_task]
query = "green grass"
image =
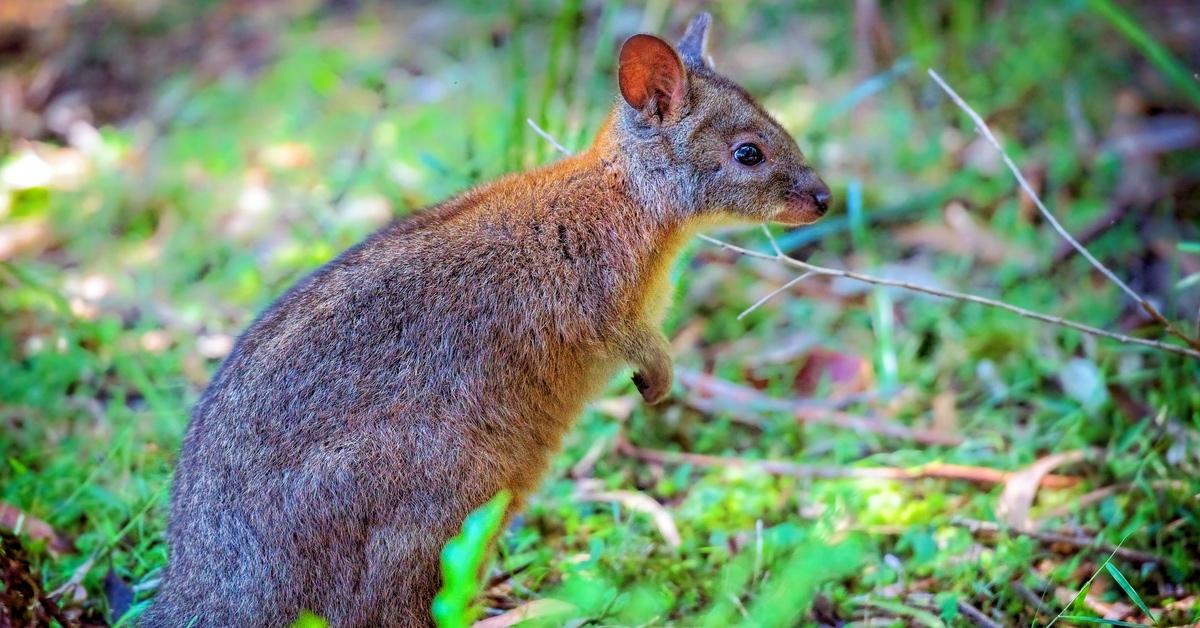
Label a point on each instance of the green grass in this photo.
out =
(174, 239)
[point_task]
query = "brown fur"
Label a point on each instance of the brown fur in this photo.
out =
(397, 388)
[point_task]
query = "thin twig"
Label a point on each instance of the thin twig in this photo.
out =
(1078, 504)
(984, 130)
(976, 616)
(546, 136)
(950, 294)
(772, 240)
(935, 470)
(1038, 603)
(1078, 541)
(774, 292)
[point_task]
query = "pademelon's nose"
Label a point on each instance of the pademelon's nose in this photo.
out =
(821, 197)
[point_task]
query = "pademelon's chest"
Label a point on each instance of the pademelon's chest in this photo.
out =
(658, 288)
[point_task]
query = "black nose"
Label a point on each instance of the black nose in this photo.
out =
(822, 197)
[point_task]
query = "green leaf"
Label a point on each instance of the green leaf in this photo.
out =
(1128, 588)
(309, 620)
(1171, 67)
(462, 559)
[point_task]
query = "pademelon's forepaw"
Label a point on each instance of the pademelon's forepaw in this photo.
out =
(653, 389)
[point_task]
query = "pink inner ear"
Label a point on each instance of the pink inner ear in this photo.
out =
(649, 67)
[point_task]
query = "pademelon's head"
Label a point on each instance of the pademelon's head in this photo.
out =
(699, 143)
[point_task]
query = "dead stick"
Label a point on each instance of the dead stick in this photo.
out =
(984, 130)
(950, 294)
(1079, 541)
(1032, 598)
(976, 616)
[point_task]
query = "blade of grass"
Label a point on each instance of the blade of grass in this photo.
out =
(1087, 584)
(1175, 72)
(518, 99)
(1128, 588)
(882, 318)
(554, 78)
(1083, 619)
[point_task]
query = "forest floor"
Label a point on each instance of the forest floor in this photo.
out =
(844, 453)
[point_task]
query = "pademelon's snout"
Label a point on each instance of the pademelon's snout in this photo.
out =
(806, 200)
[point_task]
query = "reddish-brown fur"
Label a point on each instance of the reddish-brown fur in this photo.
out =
(397, 388)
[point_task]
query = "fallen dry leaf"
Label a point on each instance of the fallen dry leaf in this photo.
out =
(26, 236)
(960, 234)
(13, 518)
(214, 346)
(847, 374)
(710, 394)
(945, 412)
(31, 15)
(1020, 489)
(287, 155)
(525, 612)
(643, 503)
(966, 473)
(1117, 611)
(618, 408)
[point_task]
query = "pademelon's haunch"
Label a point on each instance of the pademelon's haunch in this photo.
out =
(403, 384)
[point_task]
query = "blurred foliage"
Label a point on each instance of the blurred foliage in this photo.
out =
(462, 563)
(167, 169)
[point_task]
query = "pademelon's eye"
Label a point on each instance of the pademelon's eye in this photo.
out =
(748, 154)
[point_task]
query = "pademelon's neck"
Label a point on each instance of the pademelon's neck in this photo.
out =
(640, 208)
(656, 227)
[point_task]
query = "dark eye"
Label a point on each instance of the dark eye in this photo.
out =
(748, 154)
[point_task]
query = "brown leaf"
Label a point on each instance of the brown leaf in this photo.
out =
(846, 373)
(618, 408)
(26, 236)
(945, 412)
(643, 503)
(12, 518)
(287, 155)
(525, 612)
(960, 234)
(1117, 611)
(1020, 489)
(30, 15)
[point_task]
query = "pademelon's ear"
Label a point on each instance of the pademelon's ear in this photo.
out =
(694, 45)
(651, 74)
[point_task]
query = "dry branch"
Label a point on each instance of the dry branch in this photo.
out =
(976, 616)
(950, 294)
(1078, 541)
(546, 136)
(984, 130)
